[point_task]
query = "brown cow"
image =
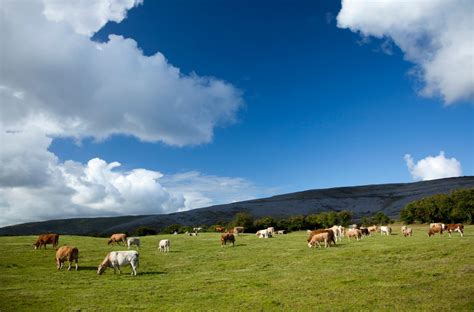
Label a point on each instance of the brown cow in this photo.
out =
(220, 229)
(457, 227)
(227, 237)
(318, 238)
(436, 228)
(331, 236)
(117, 238)
(66, 253)
(44, 239)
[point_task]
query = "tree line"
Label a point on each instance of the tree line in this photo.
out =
(456, 207)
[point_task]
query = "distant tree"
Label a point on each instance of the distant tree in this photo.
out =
(243, 219)
(312, 221)
(380, 218)
(345, 217)
(264, 223)
(296, 223)
(144, 231)
(170, 229)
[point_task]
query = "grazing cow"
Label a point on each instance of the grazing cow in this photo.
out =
(372, 229)
(264, 234)
(227, 237)
(44, 239)
(407, 231)
(117, 238)
(458, 227)
(220, 229)
(238, 230)
(133, 241)
(331, 236)
(436, 228)
(318, 238)
(385, 230)
(281, 232)
(116, 259)
(192, 233)
(197, 229)
(66, 253)
(164, 245)
(354, 233)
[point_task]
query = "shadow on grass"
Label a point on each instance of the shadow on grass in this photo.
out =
(87, 268)
(151, 273)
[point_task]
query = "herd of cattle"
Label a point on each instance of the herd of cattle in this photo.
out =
(117, 259)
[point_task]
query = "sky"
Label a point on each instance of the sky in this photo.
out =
(130, 107)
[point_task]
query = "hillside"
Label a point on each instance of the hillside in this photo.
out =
(361, 200)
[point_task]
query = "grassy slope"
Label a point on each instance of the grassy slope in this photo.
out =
(281, 273)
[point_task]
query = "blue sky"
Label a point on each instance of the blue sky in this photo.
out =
(315, 101)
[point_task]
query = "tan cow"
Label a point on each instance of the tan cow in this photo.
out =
(435, 228)
(318, 238)
(354, 233)
(220, 228)
(407, 231)
(238, 230)
(118, 238)
(66, 253)
(331, 235)
(44, 239)
(372, 228)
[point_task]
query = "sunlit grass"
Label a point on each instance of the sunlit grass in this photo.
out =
(281, 273)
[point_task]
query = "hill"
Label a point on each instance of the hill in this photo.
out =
(361, 200)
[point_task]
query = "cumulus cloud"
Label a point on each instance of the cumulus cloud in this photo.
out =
(433, 167)
(68, 85)
(436, 35)
(56, 82)
(87, 17)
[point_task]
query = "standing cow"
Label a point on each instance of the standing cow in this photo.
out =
(116, 259)
(66, 253)
(435, 228)
(458, 227)
(118, 238)
(164, 245)
(227, 237)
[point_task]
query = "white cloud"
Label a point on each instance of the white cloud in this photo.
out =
(433, 167)
(87, 17)
(56, 82)
(436, 35)
(67, 85)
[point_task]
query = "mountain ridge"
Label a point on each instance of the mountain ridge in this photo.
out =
(363, 201)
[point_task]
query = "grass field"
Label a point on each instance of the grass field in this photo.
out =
(281, 273)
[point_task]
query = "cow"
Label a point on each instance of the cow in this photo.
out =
(191, 233)
(66, 253)
(436, 228)
(281, 232)
(331, 237)
(263, 234)
(238, 230)
(117, 239)
(220, 229)
(385, 230)
(197, 229)
(338, 232)
(364, 231)
(354, 233)
(164, 245)
(318, 238)
(271, 231)
(227, 237)
(116, 259)
(44, 239)
(457, 227)
(133, 241)
(372, 228)
(407, 231)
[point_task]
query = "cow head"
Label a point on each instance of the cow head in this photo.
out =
(100, 269)
(110, 241)
(36, 245)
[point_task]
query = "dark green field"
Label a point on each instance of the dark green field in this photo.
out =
(281, 273)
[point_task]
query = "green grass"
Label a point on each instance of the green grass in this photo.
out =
(281, 273)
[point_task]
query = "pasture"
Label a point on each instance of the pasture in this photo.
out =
(280, 273)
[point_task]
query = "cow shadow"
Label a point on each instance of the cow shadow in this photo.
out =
(87, 268)
(151, 273)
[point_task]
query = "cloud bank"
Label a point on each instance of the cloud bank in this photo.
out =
(433, 167)
(56, 82)
(436, 35)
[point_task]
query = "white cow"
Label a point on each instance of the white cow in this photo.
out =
(442, 225)
(385, 230)
(164, 245)
(116, 259)
(338, 232)
(197, 229)
(263, 234)
(133, 241)
(271, 231)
